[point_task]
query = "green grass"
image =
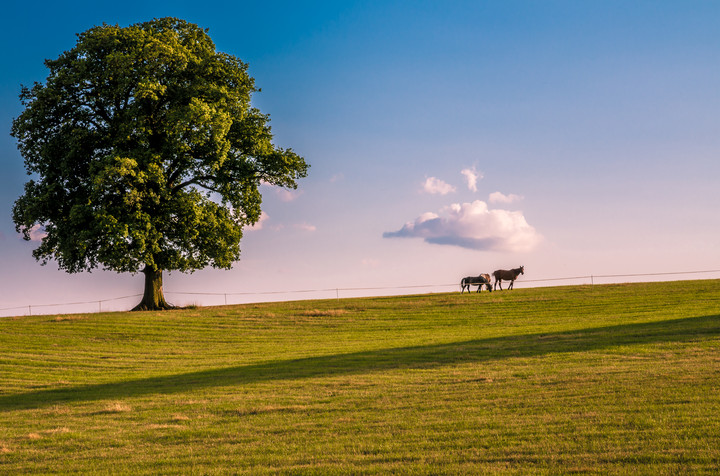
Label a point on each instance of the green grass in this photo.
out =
(613, 379)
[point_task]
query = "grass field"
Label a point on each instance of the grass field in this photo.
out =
(612, 379)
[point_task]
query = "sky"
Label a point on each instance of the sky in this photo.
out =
(445, 139)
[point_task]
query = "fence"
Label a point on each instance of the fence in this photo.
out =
(325, 293)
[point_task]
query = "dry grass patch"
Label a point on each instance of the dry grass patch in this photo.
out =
(264, 409)
(70, 317)
(38, 435)
(116, 407)
(324, 313)
(163, 426)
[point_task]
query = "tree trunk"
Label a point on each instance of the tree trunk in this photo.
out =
(153, 298)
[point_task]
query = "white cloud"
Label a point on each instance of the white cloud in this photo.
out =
(436, 186)
(498, 197)
(472, 176)
(474, 226)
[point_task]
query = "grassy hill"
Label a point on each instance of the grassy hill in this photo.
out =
(605, 379)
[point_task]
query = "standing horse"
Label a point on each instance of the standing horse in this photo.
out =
(479, 281)
(509, 275)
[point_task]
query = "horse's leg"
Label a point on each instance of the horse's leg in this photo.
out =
(512, 281)
(498, 284)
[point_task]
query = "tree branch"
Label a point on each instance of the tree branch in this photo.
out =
(196, 181)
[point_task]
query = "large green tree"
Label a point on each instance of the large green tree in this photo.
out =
(145, 154)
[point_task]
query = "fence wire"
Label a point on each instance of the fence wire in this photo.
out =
(337, 290)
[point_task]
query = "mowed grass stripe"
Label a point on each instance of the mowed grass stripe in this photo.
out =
(604, 379)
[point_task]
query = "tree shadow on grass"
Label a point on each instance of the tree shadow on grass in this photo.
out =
(425, 356)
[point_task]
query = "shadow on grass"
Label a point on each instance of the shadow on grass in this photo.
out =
(433, 355)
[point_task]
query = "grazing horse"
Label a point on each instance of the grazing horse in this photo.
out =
(479, 281)
(509, 275)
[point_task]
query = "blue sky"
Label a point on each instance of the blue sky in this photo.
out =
(445, 139)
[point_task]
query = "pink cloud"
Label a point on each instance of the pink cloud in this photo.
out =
(471, 177)
(436, 186)
(498, 197)
(260, 223)
(305, 227)
(473, 226)
(37, 233)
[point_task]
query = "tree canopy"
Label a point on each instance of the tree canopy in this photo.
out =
(145, 153)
